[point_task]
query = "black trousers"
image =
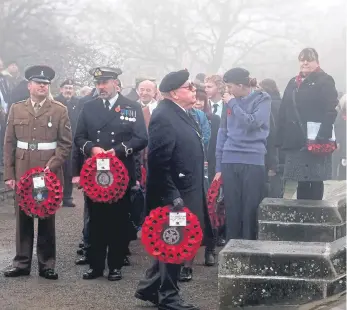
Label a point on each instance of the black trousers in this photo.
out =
(310, 190)
(161, 279)
(67, 193)
(108, 233)
(244, 189)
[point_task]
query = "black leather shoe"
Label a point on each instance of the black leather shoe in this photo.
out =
(151, 298)
(177, 305)
(80, 251)
(186, 274)
(92, 274)
(16, 272)
(81, 245)
(210, 258)
(115, 275)
(48, 274)
(126, 261)
(221, 242)
(83, 260)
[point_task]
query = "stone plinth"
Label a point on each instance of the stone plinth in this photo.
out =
(279, 275)
(302, 220)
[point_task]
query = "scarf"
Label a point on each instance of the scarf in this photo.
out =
(300, 77)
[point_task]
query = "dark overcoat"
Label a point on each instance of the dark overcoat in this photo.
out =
(176, 161)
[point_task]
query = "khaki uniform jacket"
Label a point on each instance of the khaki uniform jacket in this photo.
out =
(25, 125)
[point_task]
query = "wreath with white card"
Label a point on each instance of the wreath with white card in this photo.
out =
(171, 237)
(40, 193)
(104, 178)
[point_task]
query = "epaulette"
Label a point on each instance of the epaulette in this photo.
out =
(58, 103)
(21, 101)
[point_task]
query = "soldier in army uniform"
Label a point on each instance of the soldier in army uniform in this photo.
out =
(114, 124)
(38, 133)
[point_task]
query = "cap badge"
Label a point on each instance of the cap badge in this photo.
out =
(97, 73)
(42, 73)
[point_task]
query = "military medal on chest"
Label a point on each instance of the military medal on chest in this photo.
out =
(50, 122)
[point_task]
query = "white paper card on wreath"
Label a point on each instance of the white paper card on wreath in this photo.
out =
(103, 164)
(39, 182)
(178, 219)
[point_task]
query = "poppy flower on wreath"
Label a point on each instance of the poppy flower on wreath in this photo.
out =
(40, 193)
(104, 178)
(171, 244)
(215, 204)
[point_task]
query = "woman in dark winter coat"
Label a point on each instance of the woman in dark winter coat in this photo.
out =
(274, 159)
(310, 98)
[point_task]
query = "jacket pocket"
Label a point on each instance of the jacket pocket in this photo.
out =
(20, 153)
(21, 127)
(46, 155)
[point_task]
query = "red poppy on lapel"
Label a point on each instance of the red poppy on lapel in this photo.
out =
(117, 109)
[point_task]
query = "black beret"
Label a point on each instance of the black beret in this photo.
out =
(173, 80)
(67, 82)
(41, 74)
(237, 76)
(105, 73)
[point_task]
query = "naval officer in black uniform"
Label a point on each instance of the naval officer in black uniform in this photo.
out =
(113, 124)
(176, 177)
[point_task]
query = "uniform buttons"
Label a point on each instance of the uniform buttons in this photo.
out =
(33, 139)
(98, 131)
(112, 141)
(112, 133)
(97, 140)
(34, 128)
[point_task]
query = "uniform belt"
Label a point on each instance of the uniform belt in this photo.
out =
(37, 146)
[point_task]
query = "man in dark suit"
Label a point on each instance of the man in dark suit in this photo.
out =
(175, 177)
(71, 102)
(115, 125)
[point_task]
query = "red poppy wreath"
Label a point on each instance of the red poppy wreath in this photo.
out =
(104, 178)
(171, 244)
(216, 209)
(39, 193)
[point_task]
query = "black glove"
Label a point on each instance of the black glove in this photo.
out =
(177, 205)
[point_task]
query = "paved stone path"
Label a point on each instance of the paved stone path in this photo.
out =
(70, 292)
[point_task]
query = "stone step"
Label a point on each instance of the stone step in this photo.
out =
(302, 220)
(273, 273)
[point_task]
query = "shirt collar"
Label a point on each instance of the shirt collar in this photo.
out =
(40, 103)
(152, 105)
(112, 101)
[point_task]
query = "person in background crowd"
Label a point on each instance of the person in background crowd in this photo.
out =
(311, 96)
(85, 91)
(45, 122)
(199, 80)
(340, 127)
(214, 87)
(71, 102)
(240, 152)
(175, 177)
(147, 90)
(12, 73)
(118, 136)
(274, 159)
(203, 123)
(214, 120)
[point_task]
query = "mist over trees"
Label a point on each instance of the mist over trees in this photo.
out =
(152, 37)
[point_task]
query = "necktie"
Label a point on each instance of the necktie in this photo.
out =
(36, 107)
(215, 108)
(107, 105)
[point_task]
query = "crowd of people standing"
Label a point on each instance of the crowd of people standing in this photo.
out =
(185, 134)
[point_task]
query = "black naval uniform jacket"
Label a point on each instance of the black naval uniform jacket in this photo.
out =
(175, 161)
(104, 128)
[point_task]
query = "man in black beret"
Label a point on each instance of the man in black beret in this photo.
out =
(111, 124)
(175, 177)
(68, 99)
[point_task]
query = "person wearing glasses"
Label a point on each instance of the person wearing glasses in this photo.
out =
(240, 152)
(175, 177)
